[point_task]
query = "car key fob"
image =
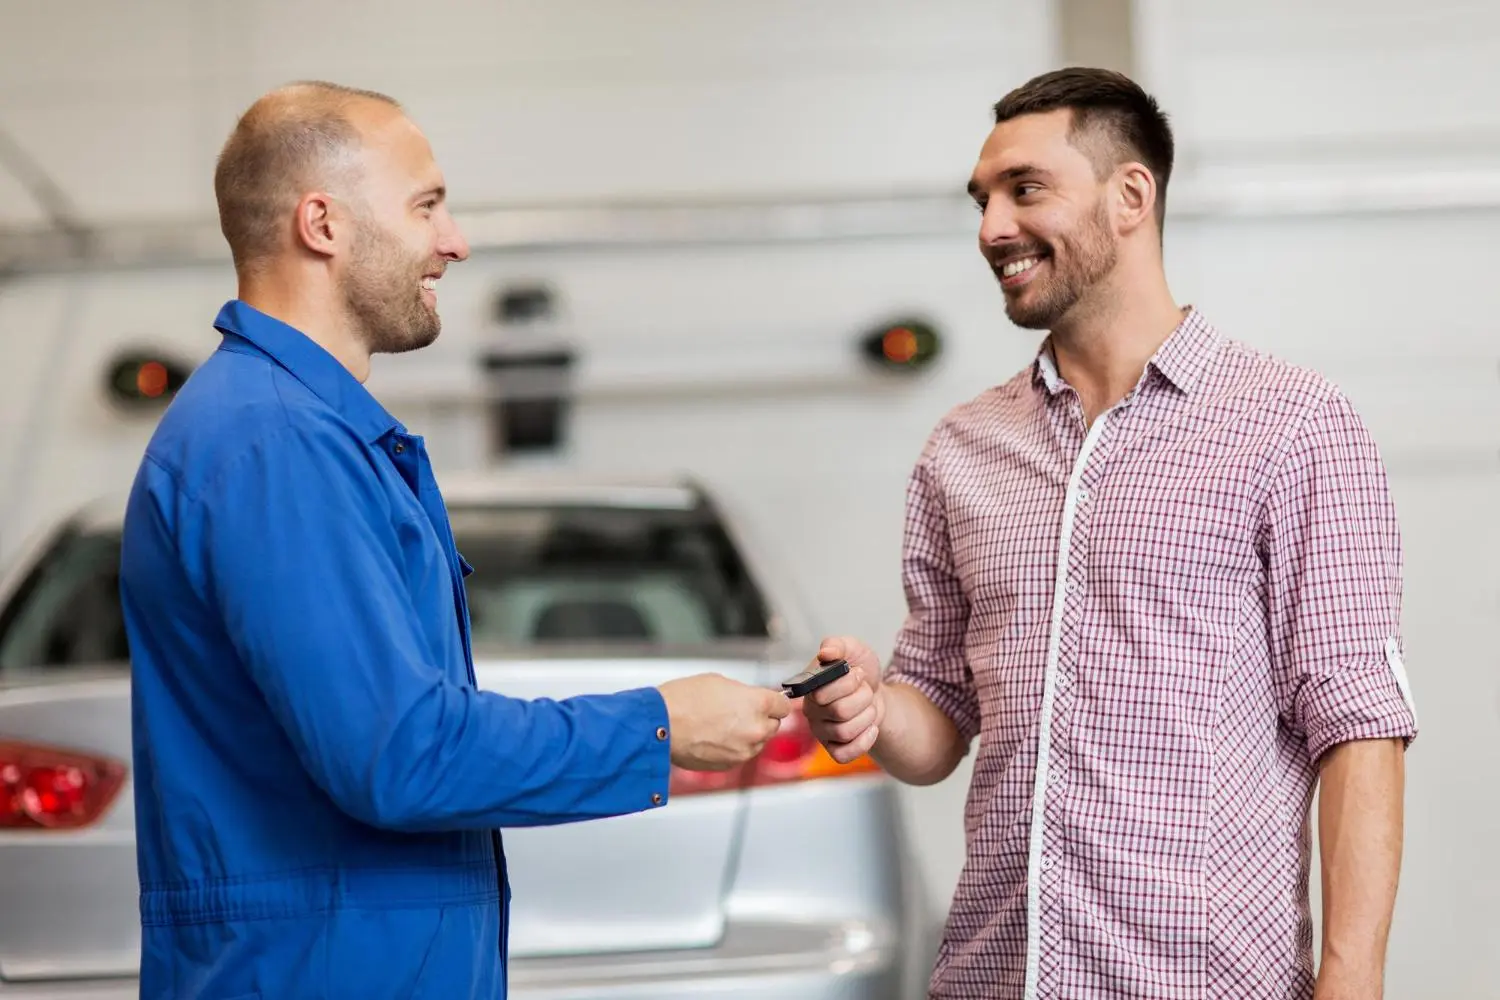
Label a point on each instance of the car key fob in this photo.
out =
(813, 678)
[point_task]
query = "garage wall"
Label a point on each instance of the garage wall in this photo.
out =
(1333, 206)
(127, 105)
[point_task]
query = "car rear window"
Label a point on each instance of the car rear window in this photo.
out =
(545, 576)
(66, 612)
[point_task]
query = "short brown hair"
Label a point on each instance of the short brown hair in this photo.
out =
(1107, 106)
(289, 140)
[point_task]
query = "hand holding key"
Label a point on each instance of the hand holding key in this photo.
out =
(845, 714)
(717, 722)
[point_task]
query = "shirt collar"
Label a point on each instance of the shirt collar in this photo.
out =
(309, 363)
(1183, 359)
(1186, 357)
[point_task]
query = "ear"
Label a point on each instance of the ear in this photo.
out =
(1136, 193)
(318, 226)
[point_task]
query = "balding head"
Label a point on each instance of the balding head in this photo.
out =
(301, 137)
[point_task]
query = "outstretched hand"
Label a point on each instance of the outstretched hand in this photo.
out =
(845, 715)
(717, 722)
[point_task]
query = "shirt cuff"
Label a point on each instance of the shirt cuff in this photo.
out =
(1363, 703)
(657, 734)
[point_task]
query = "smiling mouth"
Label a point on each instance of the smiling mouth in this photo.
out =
(1018, 270)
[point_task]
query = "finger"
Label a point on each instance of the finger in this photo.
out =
(832, 648)
(847, 732)
(834, 690)
(846, 753)
(869, 673)
(778, 705)
(847, 708)
(845, 647)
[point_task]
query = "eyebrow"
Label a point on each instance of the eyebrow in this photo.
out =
(440, 192)
(1009, 174)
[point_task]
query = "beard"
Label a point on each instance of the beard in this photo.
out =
(1089, 254)
(383, 292)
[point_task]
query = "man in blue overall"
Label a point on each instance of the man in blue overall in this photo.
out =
(318, 779)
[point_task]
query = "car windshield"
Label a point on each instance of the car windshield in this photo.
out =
(544, 577)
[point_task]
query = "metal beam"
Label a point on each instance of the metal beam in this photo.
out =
(1268, 192)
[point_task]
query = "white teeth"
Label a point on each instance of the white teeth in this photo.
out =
(430, 284)
(1015, 267)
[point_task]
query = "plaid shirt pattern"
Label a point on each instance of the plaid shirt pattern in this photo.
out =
(1155, 626)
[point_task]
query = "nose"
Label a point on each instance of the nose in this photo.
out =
(998, 225)
(451, 242)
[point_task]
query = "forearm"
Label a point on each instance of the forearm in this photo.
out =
(471, 759)
(918, 743)
(1360, 833)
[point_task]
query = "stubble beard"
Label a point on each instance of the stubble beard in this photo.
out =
(383, 293)
(1089, 255)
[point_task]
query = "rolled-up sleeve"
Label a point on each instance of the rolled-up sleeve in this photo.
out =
(1332, 547)
(929, 652)
(298, 553)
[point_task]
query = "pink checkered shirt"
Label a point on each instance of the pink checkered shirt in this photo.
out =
(1155, 626)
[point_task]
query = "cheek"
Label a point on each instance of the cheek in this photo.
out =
(1053, 225)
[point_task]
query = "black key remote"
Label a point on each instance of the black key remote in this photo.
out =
(813, 678)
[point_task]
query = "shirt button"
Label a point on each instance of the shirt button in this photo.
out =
(399, 448)
(1046, 863)
(656, 798)
(661, 732)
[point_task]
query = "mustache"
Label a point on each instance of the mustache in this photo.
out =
(1016, 251)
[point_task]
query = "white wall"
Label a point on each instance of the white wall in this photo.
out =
(584, 102)
(574, 100)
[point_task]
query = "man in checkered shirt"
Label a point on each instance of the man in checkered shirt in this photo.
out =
(1157, 575)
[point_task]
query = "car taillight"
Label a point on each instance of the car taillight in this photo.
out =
(48, 788)
(793, 754)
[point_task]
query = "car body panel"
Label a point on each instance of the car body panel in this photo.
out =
(665, 870)
(68, 899)
(795, 891)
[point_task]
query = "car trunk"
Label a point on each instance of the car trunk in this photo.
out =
(651, 880)
(71, 896)
(655, 879)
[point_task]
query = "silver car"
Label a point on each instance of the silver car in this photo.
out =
(789, 878)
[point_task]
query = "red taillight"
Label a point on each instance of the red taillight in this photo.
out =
(49, 788)
(791, 755)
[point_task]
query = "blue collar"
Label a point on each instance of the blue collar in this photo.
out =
(309, 364)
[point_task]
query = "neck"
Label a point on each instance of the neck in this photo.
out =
(312, 312)
(1103, 344)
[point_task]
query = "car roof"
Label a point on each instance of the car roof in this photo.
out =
(547, 487)
(556, 486)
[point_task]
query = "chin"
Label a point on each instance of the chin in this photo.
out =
(1029, 319)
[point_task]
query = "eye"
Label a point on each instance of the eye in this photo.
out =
(980, 206)
(1022, 190)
